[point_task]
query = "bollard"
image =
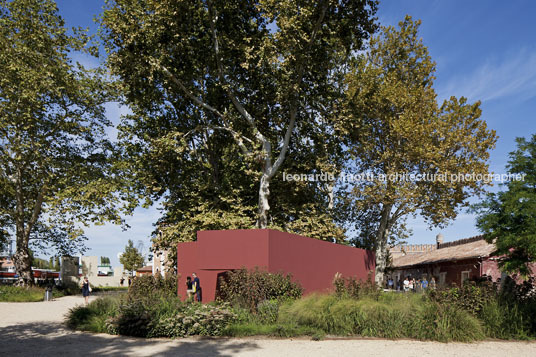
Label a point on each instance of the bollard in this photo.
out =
(48, 295)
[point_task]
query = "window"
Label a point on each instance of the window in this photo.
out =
(465, 275)
(442, 278)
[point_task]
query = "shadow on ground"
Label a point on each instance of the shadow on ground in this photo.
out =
(51, 339)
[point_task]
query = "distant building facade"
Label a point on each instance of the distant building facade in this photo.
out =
(161, 263)
(146, 270)
(448, 263)
(101, 275)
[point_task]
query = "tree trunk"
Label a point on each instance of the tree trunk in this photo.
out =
(264, 207)
(381, 244)
(23, 264)
(22, 258)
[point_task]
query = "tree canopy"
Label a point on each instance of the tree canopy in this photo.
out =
(54, 155)
(132, 259)
(395, 128)
(508, 218)
(222, 94)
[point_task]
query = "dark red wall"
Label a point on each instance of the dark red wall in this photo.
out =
(311, 262)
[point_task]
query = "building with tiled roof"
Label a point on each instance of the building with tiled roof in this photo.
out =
(448, 263)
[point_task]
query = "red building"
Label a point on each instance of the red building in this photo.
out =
(449, 263)
(312, 262)
(146, 270)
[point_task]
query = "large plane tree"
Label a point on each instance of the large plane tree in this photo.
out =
(223, 94)
(54, 156)
(415, 150)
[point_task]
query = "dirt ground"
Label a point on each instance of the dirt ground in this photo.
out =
(36, 329)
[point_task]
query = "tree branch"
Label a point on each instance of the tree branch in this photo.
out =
(245, 114)
(236, 136)
(294, 102)
(189, 94)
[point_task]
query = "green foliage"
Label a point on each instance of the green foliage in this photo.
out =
(445, 322)
(221, 98)
(105, 261)
(54, 153)
(194, 319)
(109, 289)
(391, 316)
(248, 288)
(352, 288)
(508, 218)
(132, 319)
(42, 263)
(388, 315)
(131, 258)
(274, 330)
(508, 314)
(507, 321)
(10, 293)
(268, 310)
(470, 297)
(158, 315)
(394, 125)
(147, 287)
(93, 316)
(151, 309)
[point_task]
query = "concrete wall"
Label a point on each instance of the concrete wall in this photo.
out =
(90, 269)
(69, 270)
(313, 263)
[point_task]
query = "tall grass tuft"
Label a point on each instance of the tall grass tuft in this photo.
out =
(391, 316)
(93, 316)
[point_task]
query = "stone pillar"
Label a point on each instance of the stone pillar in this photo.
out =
(69, 271)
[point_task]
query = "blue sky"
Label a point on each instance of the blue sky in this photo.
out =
(484, 49)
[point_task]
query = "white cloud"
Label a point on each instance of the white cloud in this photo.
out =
(513, 75)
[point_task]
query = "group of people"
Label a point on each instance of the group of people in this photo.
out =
(193, 288)
(412, 284)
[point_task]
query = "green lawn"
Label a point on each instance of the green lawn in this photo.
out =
(9, 293)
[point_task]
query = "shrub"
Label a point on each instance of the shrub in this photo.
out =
(132, 319)
(167, 317)
(353, 288)
(470, 297)
(247, 288)
(267, 311)
(147, 287)
(194, 319)
(93, 317)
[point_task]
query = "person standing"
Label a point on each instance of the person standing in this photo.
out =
(189, 289)
(432, 283)
(197, 288)
(406, 285)
(390, 284)
(86, 289)
(424, 284)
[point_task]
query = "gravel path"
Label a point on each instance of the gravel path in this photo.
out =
(35, 329)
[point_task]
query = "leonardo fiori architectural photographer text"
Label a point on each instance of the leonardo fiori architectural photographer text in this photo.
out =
(404, 177)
